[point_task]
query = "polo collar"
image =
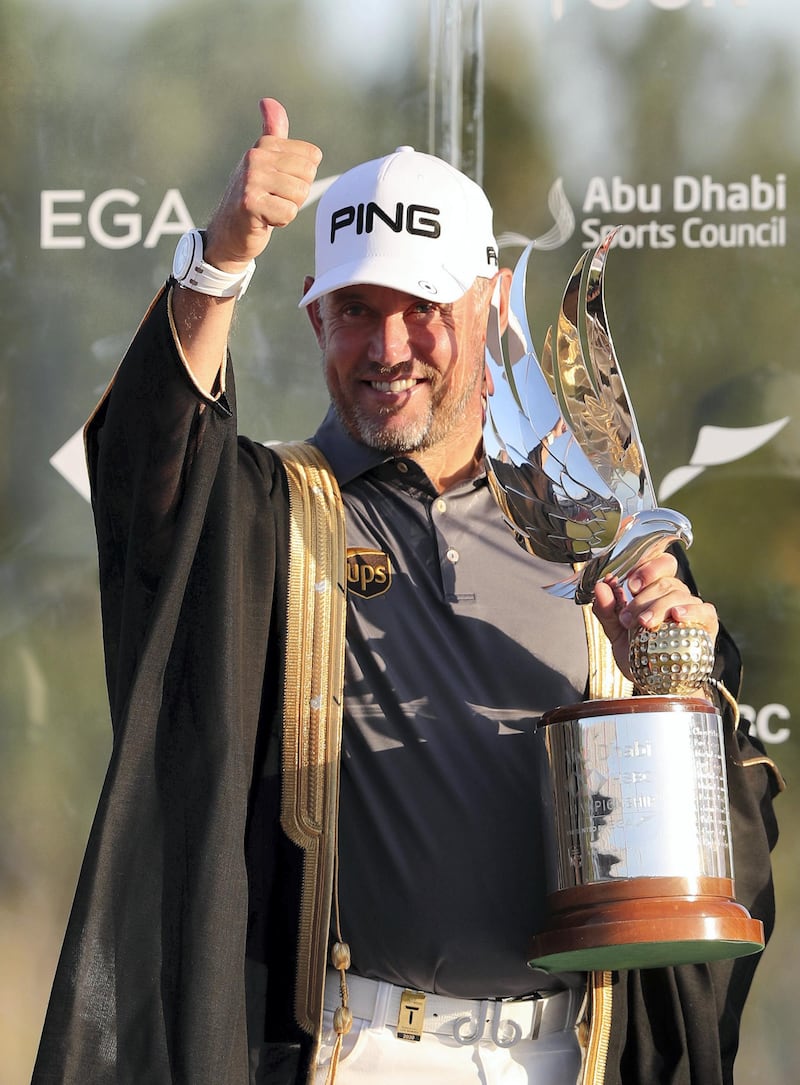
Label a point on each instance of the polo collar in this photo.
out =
(348, 458)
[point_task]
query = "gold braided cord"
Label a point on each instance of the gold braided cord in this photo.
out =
(596, 1051)
(606, 680)
(316, 611)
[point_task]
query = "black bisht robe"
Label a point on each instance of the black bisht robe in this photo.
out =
(182, 933)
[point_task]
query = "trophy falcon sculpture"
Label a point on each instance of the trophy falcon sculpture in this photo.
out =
(563, 453)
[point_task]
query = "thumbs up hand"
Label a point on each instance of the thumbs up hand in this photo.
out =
(266, 190)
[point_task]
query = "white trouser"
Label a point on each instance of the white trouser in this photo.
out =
(464, 1043)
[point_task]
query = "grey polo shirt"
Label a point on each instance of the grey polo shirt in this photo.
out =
(453, 653)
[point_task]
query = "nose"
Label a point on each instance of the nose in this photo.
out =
(389, 343)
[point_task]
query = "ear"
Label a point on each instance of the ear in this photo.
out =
(314, 311)
(498, 316)
(505, 275)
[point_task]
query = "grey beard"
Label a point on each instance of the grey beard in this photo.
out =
(415, 437)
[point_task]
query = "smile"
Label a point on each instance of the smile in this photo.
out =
(393, 386)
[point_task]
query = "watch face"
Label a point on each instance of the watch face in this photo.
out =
(185, 254)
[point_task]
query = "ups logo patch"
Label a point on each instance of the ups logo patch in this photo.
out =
(369, 572)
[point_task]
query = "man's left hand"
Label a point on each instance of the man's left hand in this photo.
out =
(655, 595)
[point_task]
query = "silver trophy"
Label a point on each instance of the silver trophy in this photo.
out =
(641, 866)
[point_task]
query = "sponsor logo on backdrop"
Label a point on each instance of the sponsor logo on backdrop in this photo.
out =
(69, 217)
(559, 8)
(695, 212)
(716, 445)
(113, 219)
(763, 722)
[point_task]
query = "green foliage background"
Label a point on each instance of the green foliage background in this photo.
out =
(151, 97)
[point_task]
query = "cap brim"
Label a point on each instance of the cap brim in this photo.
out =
(432, 283)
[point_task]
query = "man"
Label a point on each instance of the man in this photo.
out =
(219, 867)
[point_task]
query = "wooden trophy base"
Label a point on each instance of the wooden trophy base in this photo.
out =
(645, 923)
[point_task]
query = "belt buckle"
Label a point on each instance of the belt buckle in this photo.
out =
(506, 1033)
(465, 1038)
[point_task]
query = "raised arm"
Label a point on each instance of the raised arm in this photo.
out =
(266, 190)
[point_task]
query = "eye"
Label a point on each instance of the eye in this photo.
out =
(354, 310)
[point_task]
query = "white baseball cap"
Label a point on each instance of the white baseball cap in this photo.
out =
(409, 221)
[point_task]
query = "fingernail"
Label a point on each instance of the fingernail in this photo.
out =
(635, 583)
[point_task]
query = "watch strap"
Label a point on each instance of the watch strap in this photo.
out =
(204, 278)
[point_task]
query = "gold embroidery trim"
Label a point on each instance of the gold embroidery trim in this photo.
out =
(596, 1054)
(606, 680)
(316, 611)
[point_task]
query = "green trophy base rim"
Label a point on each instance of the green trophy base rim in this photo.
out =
(636, 944)
(644, 955)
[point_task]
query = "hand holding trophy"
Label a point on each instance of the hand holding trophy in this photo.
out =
(641, 869)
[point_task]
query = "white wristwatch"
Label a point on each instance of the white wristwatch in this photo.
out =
(190, 270)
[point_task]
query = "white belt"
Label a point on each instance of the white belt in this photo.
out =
(505, 1021)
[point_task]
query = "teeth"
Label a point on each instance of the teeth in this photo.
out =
(393, 386)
